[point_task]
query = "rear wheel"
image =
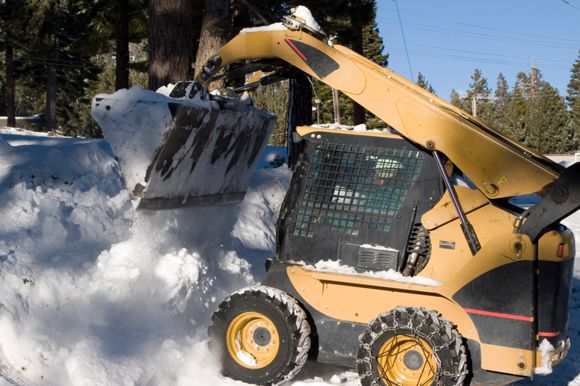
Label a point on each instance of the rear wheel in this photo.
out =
(411, 346)
(262, 336)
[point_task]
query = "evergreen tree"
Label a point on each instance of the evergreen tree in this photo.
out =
(373, 47)
(423, 83)
(500, 102)
(171, 32)
(54, 54)
(523, 83)
(274, 98)
(574, 84)
(455, 99)
(514, 118)
(574, 126)
(478, 96)
(546, 129)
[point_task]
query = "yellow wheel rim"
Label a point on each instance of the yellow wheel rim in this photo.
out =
(406, 361)
(252, 340)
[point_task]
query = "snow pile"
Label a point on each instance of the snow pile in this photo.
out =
(134, 121)
(180, 147)
(300, 13)
(97, 294)
(545, 348)
(271, 27)
(303, 13)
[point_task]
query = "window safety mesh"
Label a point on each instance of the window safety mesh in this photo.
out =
(350, 188)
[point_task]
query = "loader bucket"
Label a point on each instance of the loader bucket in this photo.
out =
(183, 152)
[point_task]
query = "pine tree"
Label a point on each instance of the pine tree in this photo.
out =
(574, 126)
(478, 96)
(422, 82)
(547, 130)
(373, 47)
(515, 115)
(54, 54)
(455, 99)
(500, 103)
(574, 84)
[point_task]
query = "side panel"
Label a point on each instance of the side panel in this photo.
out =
(340, 306)
(334, 341)
(500, 303)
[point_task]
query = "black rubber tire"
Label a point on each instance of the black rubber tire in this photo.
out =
(444, 340)
(292, 327)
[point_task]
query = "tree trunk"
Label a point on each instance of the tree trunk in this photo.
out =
(170, 41)
(336, 105)
(299, 112)
(122, 45)
(50, 99)
(215, 32)
(10, 86)
(358, 112)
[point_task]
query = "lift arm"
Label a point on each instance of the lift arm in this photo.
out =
(498, 166)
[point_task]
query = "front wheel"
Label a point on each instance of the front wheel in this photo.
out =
(262, 335)
(411, 346)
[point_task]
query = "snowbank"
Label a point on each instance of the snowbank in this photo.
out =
(98, 294)
(95, 293)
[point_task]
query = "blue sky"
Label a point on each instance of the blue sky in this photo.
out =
(448, 39)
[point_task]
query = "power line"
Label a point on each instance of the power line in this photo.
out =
(484, 36)
(404, 41)
(472, 59)
(484, 53)
(476, 26)
(570, 4)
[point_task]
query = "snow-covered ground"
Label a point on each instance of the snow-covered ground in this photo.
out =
(96, 293)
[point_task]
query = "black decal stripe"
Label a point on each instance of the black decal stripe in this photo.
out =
(500, 303)
(293, 46)
(318, 61)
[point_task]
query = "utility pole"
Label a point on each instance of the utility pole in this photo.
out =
(534, 81)
(474, 104)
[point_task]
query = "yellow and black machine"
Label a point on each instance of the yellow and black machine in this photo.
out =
(434, 279)
(405, 256)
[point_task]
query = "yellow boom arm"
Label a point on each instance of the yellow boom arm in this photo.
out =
(498, 166)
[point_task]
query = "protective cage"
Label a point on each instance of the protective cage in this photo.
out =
(350, 193)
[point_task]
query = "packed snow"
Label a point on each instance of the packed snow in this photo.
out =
(96, 293)
(137, 122)
(303, 13)
(334, 266)
(360, 128)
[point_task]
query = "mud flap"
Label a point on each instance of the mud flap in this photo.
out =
(207, 158)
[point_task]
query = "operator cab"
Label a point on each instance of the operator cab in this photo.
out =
(357, 198)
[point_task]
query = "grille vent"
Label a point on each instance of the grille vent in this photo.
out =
(378, 258)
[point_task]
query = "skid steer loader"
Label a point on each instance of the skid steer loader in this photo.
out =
(406, 256)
